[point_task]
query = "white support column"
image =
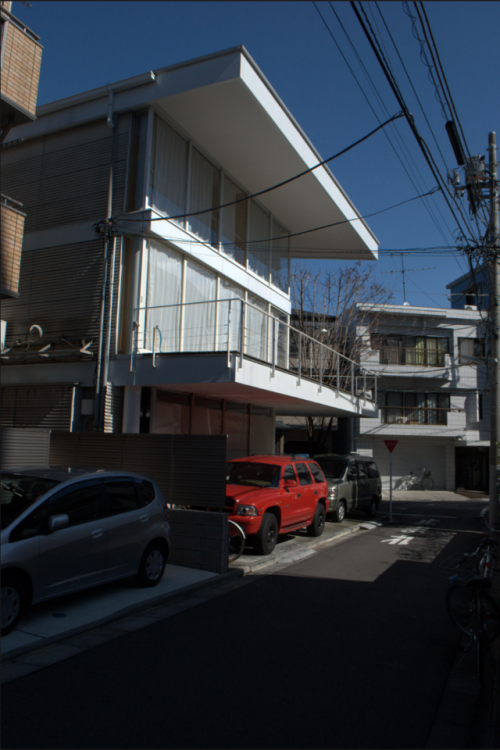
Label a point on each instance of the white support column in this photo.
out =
(131, 408)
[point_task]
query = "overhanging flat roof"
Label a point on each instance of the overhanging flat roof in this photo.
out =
(226, 105)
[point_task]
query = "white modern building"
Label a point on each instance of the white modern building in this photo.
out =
(179, 322)
(432, 395)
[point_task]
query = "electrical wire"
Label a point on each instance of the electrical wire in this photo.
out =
(290, 179)
(377, 95)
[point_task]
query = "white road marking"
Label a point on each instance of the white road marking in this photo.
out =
(428, 522)
(398, 539)
(419, 515)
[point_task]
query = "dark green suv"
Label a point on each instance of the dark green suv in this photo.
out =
(353, 484)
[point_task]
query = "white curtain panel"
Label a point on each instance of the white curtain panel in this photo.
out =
(164, 289)
(258, 252)
(279, 257)
(228, 291)
(199, 319)
(234, 222)
(256, 329)
(281, 337)
(204, 193)
(169, 172)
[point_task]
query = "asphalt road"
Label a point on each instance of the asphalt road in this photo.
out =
(349, 648)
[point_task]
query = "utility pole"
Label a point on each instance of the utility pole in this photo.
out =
(494, 331)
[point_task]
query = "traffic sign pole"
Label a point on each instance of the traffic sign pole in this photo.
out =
(390, 445)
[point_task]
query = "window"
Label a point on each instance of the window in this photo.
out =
(411, 350)
(234, 222)
(256, 328)
(372, 471)
(169, 170)
(279, 257)
(258, 252)
(164, 296)
(289, 473)
(18, 493)
(363, 474)
(204, 193)
(30, 526)
(81, 504)
(317, 473)
(122, 497)
(470, 351)
(415, 408)
(199, 319)
(333, 468)
(148, 491)
(303, 475)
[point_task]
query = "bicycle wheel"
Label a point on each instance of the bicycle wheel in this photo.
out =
(427, 483)
(461, 605)
(236, 541)
(491, 618)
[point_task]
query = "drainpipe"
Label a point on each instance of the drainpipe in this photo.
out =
(106, 230)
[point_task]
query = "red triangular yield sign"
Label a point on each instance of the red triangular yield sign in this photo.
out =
(391, 444)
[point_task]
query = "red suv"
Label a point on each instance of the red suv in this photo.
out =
(270, 495)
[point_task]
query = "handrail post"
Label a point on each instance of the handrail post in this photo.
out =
(274, 348)
(364, 387)
(242, 331)
(338, 373)
(299, 368)
(229, 335)
(153, 359)
(352, 380)
(376, 389)
(320, 367)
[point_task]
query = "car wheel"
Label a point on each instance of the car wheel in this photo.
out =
(339, 513)
(372, 509)
(317, 526)
(267, 536)
(152, 565)
(13, 602)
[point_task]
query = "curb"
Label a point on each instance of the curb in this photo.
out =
(140, 607)
(249, 569)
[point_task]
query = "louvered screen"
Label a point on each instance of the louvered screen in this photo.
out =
(46, 406)
(189, 469)
(24, 448)
(113, 408)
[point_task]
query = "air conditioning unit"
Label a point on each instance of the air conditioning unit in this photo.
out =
(473, 308)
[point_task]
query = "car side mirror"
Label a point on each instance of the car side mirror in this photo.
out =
(290, 483)
(58, 522)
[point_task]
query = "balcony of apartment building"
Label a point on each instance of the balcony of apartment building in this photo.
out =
(11, 245)
(21, 57)
(425, 356)
(233, 349)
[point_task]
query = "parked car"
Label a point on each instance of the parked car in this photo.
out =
(273, 494)
(64, 530)
(353, 484)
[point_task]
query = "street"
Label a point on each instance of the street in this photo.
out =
(351, 647)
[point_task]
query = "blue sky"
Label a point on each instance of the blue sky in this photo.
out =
(89, 44)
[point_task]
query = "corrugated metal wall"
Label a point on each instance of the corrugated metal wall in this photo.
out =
(24, 448)
(113, 408)
(63, 177)
(48, 406)
(189, 469)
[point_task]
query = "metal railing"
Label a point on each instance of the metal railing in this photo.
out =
(236, 326)
(414, 415)
(410, 355)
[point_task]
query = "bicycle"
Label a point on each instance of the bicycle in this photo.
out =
(236, 540)
(468, 603)
(411, 481)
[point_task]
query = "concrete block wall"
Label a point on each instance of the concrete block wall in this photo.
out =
(11, 246)
(199, 540)
(21, 68)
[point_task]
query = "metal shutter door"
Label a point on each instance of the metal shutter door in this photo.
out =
(410, 456)
(48, 406)
(24, 447)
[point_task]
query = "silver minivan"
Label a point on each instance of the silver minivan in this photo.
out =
(353, 484)
(64, 530)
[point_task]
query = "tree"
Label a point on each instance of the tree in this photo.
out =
(324, 306)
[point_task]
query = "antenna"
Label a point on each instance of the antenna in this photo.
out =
(408, 270)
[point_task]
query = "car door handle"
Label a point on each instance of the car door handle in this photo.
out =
(315, 492)
(144, 518)
(298, 494)
(96, 534)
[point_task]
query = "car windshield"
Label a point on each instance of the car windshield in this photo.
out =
(19, 492)
(253, 474)
(333, 468)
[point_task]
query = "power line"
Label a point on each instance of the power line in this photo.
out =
(290, 179)
(377, 95)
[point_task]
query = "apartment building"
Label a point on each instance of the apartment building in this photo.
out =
(21, 54)
(173, 317)
(433, 395)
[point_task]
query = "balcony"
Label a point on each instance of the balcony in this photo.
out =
(252, 342)
(414, 415)
(411, 355)
(11, 247)
(21, 59)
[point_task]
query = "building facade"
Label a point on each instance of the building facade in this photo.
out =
(433, 395)
(21, 55)
(154, 291)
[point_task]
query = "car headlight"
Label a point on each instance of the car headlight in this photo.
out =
(332, 492)
(246, 510)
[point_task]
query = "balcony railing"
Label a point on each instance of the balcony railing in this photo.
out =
(405, 355)
(414, 415)
(238, 327)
